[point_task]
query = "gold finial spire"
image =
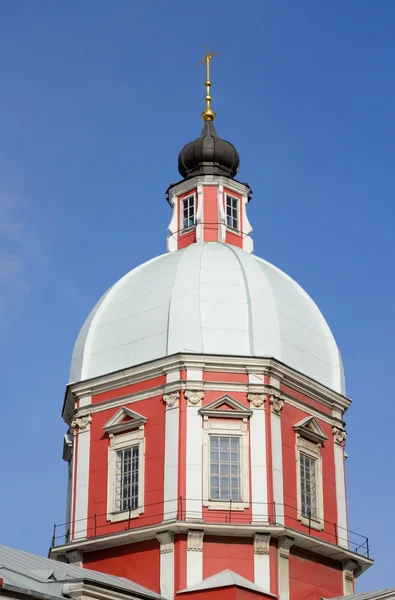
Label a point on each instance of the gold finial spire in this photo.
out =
(208, 114)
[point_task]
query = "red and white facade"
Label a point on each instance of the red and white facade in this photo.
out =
(236, 481)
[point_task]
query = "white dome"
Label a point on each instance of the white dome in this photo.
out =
(208, 298)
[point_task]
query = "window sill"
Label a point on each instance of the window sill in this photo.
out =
(225, 505)
(233, 230)
(314, 523)
(125, 515)
(187, 230)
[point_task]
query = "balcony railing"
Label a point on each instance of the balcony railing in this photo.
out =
(182, 509)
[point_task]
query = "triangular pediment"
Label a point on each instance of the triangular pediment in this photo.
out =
(226, 407)
(124, 420)
(310, 429)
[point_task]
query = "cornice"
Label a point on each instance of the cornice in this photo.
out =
(185, 185)
(301, 540)
(219, 363)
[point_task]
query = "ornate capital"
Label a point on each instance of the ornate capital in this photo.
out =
(171, 399)
(276, 404)
(194, 397)
(261, 543)
(81, 422)
(340, 435)
(166, 540)
(284, 544)
(349, 567)
(257, 400)
(75, 557)
(195, 540)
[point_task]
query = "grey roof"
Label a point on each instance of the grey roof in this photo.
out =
(385, 593)
(46, 576)
(225, 579)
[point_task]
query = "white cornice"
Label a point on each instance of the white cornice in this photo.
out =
(189, 184)
(224, 364)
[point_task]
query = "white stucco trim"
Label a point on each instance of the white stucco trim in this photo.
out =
(227, 427)
(171, 462)
(82, 483)
(314, 451)
(166, 540)
(277, 466)
(262, 560)
(258, 466)
(284, 545)
(193, 463)
(194, 557)
(119, 442)
(200, 214)
(342, 525)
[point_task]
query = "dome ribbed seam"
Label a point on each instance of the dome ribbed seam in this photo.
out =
(247, 290)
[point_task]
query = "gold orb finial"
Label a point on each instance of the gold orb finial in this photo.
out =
(208, 114)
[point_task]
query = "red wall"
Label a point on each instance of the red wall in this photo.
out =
(210, 213)
(153, 409)
(289, 417)
(234, 553)
(313, 579)
(139, 562)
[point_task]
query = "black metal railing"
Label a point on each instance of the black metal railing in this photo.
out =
(182, 509)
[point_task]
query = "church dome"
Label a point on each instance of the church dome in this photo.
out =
(208, 155)
(207, 298)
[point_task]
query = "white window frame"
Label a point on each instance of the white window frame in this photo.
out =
(313, 450)
(122, 442)
(233, 229)
(226, 428)
(190, 227)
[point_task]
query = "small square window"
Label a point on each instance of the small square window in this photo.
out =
(188, 212)
(232, 212)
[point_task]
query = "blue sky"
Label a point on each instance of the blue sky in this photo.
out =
(97, 99)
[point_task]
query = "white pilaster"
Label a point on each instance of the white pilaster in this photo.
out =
(339, 441)
(194, 441)
(194, 557)
(284, 544)
(200, 214)
(349, 567)
(81, 428)
(262, 560)
(171, 452)
(258, 457)
(277, 457)
(166, 540)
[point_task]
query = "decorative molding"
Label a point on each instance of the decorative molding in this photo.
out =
(75, 557)
(310, 429)
(340, 435)
(117, 424)
(349, 566)
(276, 404)
(257, 400)
(261, 543)
(195, 540)
(284, 544)
(166, 540)
(81, 422)
(235, 410)
(194, 397)
(171, 400)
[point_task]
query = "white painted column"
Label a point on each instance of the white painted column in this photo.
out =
(339, 436)
(284, 544)
(166, 540)
(172, 414)
(258, 458)
(277, 404)
(82, 424)
(262, 560)
(194, 445)
(194, 557)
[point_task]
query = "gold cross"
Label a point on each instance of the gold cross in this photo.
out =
(208, 114)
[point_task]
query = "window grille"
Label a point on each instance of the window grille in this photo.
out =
(308, 485)
(188, 212)
(127, 479)
(225, 468)
(232, 212)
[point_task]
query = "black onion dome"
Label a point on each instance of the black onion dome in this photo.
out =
(208, 155)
